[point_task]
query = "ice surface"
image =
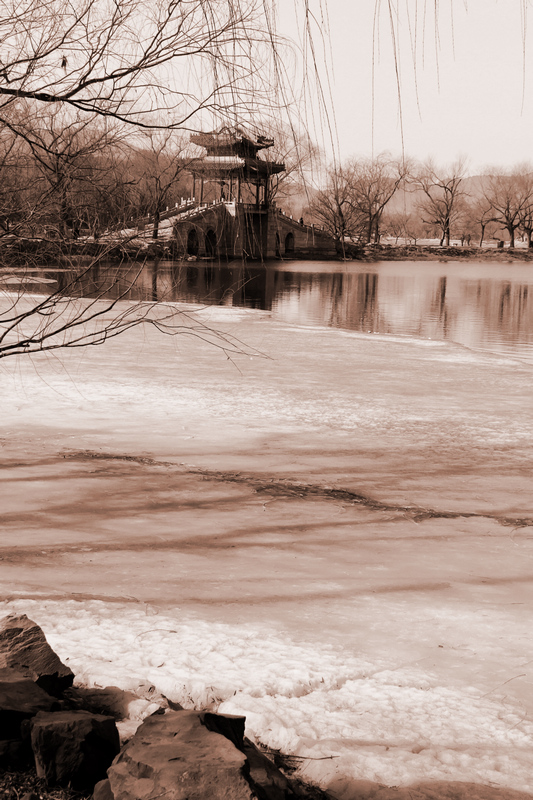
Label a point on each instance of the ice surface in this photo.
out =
(170, 517)
(391, 725)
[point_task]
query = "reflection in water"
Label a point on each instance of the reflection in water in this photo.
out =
(482, 306)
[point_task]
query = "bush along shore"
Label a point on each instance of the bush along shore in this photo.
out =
(62, 742)
(422, 252)
(21, 253)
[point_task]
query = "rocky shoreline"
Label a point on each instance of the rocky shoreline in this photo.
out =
(61, 742)
(58, 741)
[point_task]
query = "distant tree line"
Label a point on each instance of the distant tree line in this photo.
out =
(79, 174)
(364, 199)
(76, 174)
(65, 174)
(97, 101)
(97, 104)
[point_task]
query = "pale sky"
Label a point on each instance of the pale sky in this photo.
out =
(475, 84)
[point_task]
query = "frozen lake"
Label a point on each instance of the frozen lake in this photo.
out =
(335, 540)
(482, 305)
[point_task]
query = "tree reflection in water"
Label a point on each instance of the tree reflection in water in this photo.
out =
(483, 306)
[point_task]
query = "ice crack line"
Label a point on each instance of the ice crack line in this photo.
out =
(286, 489)
(417, 513)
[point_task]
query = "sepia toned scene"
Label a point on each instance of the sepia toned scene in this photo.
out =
(267, 427)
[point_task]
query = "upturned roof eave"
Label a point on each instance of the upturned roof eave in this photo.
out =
(247, 168)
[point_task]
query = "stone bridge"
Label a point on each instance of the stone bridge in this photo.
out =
(237, 230)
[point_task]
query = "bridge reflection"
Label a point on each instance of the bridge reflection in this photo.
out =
(476, 305)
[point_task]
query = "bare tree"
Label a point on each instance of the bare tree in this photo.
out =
(403, 225)
(16, 183)
(70, 155)
(300, 157)
(159, 166)
(526, 225)
(443, 197)
(510, 196)
(113, 200)
(132, 60)
(478, 216)
(352, 204)
(332, 208)
(373, 183)
(162, 65)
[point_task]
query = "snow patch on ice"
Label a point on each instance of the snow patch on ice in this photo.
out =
(222, 313)
(373, 335)
(343, 716)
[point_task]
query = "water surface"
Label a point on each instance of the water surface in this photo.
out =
(483, 306)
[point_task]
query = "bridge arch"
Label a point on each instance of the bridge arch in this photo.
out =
(289, 244)
(210, 243)
(193, 245)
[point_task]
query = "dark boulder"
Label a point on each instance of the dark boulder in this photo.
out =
(228, 725)
(23, 647)
(15, 755)
(73, 747)
(266, 779)
(20, 699)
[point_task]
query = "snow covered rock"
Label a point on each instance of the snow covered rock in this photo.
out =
(118, 703)
(23, 647)
(73, 747)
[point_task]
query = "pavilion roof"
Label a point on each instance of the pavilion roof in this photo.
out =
(232, 140)
(224, 165)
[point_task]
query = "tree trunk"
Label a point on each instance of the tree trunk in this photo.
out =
(377, 235)
(157, 218)
(155, 266)
(482, 235)
(510, 228)
(64, 214)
